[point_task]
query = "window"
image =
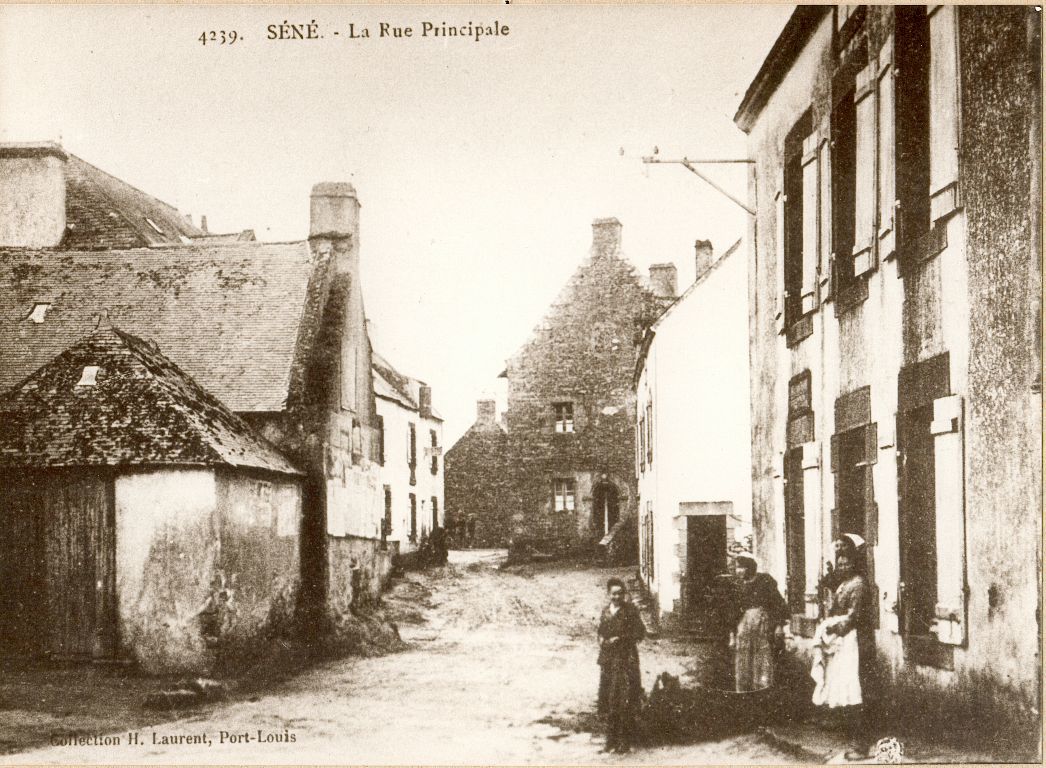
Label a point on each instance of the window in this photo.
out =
(799, 432)
(792, 253)
(931, 510)
(649, 433)
(38, 313)
(564, 417)
(844, 189)
(412, 451)
(386, 521)
(381, 440)
(641, 441)
(433, 438)
(89, 376)
(912, 127)
(563, 491)
(413, 517)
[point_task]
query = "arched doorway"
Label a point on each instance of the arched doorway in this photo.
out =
(604, 508)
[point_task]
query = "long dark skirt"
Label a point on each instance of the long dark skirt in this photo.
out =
(620, 698)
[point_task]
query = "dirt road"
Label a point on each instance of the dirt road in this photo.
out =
(500, 669)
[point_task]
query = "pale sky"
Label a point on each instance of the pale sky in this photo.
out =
(479, 165)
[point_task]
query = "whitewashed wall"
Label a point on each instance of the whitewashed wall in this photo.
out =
(696, 376)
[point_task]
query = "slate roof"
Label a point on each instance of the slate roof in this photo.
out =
(390, 384)
(142, 410)
(101, 211)
(230, 315)
(245, 236)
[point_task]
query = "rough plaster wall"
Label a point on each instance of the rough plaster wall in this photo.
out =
(807, 85)
(259, 570)
(476, 485)
(32, 201)
(1004, 421)
(584, 352)
(167, 551)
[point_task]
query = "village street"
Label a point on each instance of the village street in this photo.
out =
(500, 668)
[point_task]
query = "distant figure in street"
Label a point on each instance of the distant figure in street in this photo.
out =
(760, 613)
(620, 686)
(844, 647)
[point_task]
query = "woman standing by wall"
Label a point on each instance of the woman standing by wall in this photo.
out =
(620, 686)
(760, 613)
(844, 646)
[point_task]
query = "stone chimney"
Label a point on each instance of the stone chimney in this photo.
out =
(334, 216)
(425, 401)
(203, 224)
(486, 412)
(606, 238)
(663, 280)
(703, 258)
(32, 194)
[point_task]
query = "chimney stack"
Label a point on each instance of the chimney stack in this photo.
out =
(32, 194)
(606, 238)
(486, 412)
(203, 224)
(334, 216)
(703, 258)
(425, 401)
(663, 280)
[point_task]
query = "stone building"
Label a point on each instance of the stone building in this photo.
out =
(570, 447)
(411, 448)
(275, 331)
(143, 520)
(895, 299)
(476, 483)
(694, 439)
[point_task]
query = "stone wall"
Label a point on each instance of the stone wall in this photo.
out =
(478, 514)
(583, 353)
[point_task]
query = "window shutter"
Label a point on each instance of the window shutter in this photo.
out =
(865, 232)
(779, 310)
(824, 265)
(834, 450)
(947, 429)
(887, 172)
(811, 232)
(871, 448)
(944, 116)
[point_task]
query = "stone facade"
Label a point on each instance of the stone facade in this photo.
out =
(895, 305)
(570, 449)
(476, 483)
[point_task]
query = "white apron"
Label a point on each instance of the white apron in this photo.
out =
(836, 668)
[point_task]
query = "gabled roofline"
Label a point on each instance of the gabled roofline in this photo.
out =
(800, 27)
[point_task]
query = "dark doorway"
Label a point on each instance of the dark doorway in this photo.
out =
(918, 524)
(705, 560)
(604, 508)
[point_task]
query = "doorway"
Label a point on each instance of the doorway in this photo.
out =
(706, 559)
(604, 508)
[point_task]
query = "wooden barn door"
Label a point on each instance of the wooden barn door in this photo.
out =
(80, 548)
(23, 583)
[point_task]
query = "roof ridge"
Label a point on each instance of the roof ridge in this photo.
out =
(117, 179)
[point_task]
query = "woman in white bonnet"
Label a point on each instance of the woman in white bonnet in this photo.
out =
(845, 647)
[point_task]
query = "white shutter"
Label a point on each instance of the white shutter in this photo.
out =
(865, 233)
(811, 232)
(947, 429)
(944, 115)
(825, 254)
(887, 171)
(779, 313)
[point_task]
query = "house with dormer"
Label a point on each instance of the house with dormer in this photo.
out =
(275, 332)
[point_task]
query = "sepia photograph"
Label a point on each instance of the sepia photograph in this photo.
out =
(520, 384)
